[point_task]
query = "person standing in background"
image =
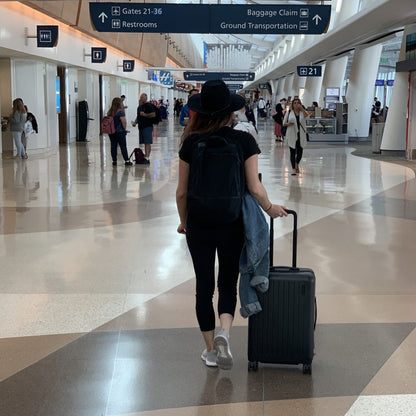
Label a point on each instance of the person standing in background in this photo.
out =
(123, 99)
(17, 122)
(31, 127)
(186, 112)
(145, 114)
(119, 136)
(278, 119)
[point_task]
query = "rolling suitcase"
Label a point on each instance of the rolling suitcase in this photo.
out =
(283, 333)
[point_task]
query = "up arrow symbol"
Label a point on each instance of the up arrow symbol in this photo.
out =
(317, 18)
(102, 16)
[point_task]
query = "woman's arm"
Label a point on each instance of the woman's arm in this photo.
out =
(181, 195)
(258, 191)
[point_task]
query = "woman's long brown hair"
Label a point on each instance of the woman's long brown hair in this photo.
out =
(116, 104)
(203, 124)
(18, 106)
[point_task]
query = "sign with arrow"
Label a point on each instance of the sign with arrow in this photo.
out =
(210, 18)
(317, 18)
(225, 76)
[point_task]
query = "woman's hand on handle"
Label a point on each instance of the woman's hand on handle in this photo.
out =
(277, 211)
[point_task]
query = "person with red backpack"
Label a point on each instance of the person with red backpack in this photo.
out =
(118, 136)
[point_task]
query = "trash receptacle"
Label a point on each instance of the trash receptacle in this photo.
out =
(377, 135)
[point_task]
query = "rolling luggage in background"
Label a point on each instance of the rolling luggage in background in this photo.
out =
(283, 333)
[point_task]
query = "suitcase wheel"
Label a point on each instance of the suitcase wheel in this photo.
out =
(253, 365)
(307, 369)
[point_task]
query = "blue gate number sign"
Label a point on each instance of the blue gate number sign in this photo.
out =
(210, 18)
(166, 78)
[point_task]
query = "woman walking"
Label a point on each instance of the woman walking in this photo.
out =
(296, 133)
(207, 235)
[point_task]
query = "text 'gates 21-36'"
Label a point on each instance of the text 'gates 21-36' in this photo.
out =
(210, 18)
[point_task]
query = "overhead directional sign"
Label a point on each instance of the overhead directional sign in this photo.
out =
(210, 18)
(47, 36)
(225, 76)
(310, 71)
(235, 87)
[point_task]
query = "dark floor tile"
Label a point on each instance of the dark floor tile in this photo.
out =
(347, 358)
(163, 369)
(113, 373)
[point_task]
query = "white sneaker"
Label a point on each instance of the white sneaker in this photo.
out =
(224, 356)
(209, 358)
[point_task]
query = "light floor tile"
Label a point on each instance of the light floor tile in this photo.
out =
(234, 409)
(334, 406)
(319, 406)
(366, 308)
(398, 375)
(403, 405)
(43, 314)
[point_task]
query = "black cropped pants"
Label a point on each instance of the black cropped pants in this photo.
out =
(204, 241)
(296, 154)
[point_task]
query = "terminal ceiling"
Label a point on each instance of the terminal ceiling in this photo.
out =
(388, 17)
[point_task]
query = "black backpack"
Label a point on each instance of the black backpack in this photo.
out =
(216, 180)
(158, 115)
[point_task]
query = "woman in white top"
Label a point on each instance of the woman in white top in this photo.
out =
(296, 132)
(17, 122)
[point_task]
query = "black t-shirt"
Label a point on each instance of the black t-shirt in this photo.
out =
(144, 122)
(245, 140)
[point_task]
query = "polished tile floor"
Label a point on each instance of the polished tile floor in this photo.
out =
(97, 288)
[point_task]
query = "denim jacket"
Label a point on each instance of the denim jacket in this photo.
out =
(254, 260)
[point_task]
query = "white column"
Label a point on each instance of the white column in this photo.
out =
(275, 99)
(145, 89)
(289, 86)
(334, 76)
(114, 88)
(298, 84)
(344, 9)
(171, 103)
(361, 90)
(313, 87)
(412, 119)
(281, 89)
(394, 136)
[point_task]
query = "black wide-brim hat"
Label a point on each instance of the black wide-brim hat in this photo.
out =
(215, 99)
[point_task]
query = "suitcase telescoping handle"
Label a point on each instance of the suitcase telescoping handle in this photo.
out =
(295, 237)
